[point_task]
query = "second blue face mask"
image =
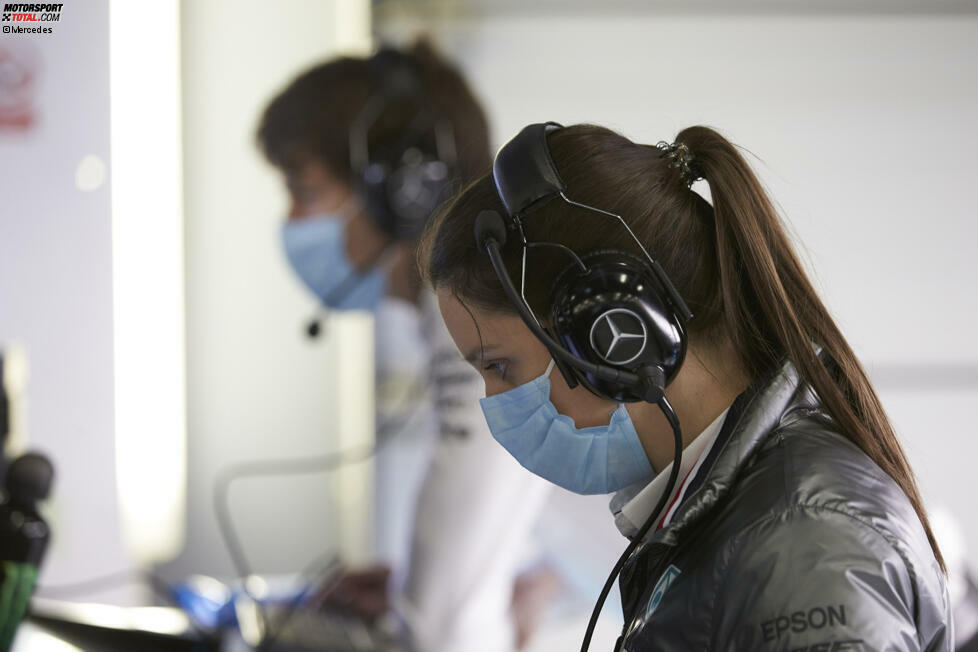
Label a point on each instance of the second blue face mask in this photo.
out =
(316, 249)
(595, 460)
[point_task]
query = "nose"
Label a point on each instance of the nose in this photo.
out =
(296, 211)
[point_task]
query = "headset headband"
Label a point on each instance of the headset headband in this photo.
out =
(524, 171)
(394, 76)
(395, 73)
(526, 178)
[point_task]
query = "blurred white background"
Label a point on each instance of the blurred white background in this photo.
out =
(863, 117)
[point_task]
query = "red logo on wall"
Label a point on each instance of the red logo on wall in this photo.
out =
(19, 69)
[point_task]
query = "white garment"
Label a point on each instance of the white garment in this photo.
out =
(575, 537)
(406, 428)
(632, 509)
(473, 514)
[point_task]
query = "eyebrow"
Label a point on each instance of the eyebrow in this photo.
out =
(478, 353)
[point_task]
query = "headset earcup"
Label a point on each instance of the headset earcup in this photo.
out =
(373, 192)
(614, 313)
(414, 190)
(401, 198)
(401, 181)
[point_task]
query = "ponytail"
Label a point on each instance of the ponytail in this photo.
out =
(771, 310)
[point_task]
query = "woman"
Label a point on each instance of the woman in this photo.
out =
(796, 523)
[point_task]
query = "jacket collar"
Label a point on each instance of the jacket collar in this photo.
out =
(752, 419)
(634, 504)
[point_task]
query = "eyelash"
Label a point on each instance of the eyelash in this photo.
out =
(497, 367)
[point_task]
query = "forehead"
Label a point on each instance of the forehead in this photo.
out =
(472, 326)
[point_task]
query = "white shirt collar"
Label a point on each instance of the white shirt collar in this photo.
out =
(633, 506)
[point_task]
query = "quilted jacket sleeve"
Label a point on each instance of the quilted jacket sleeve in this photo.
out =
(817, 579)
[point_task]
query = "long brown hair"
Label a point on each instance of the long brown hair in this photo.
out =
(732, 262)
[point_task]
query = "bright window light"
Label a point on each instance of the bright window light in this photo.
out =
(148, 291)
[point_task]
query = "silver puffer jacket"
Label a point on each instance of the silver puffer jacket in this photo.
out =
(790, 538)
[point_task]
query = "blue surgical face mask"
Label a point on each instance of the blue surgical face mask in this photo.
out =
(595, 460)
(316, 249)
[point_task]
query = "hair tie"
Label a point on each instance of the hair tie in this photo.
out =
(681, 158)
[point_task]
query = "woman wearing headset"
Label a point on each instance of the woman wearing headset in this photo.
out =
(793, 521)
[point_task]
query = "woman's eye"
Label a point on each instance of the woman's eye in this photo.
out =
(497, 367)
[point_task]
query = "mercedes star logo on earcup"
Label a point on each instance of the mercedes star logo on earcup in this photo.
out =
(618, 336)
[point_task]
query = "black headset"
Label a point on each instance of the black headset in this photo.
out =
(401, 182)
(618, 322)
